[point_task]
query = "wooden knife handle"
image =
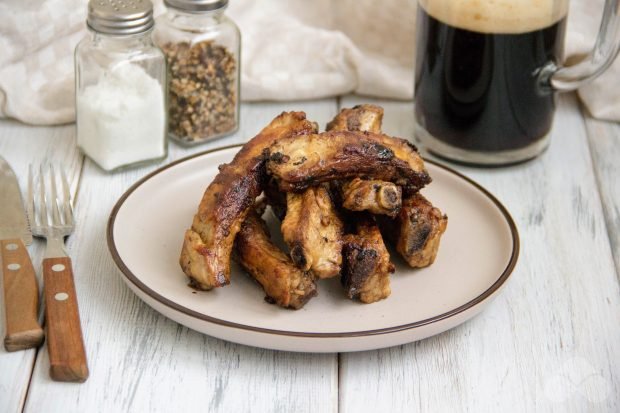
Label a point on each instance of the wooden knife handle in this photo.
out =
(65, 344)
(21, 297)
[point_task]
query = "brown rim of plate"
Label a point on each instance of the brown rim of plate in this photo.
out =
(387, 330)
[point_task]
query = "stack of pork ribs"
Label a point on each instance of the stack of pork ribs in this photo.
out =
(338, 195)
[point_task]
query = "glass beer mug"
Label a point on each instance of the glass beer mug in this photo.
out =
(487, 72)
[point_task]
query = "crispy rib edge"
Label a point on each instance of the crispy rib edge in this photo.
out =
(345, 155)
(207, 245)
(366, 264)
(284, 284)
(374, 196)
(416, 231)
(364, 117)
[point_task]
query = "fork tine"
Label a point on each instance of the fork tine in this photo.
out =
(30, 205)
(68, 207)
(56, 220)
(42, 203)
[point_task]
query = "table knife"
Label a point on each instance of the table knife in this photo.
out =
(21, 293)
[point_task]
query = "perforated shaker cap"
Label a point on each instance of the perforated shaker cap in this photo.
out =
(120, 17)
(196, 6)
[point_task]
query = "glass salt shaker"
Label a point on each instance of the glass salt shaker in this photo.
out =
(120, 89)
(202, 46)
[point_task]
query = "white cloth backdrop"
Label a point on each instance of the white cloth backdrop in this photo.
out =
(291, 49)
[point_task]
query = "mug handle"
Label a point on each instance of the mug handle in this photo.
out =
(567, 78)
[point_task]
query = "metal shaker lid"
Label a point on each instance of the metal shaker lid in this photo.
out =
(196, 6)
(120, 17)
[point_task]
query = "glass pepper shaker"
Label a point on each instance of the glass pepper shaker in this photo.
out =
(120, 88)
(202, 46)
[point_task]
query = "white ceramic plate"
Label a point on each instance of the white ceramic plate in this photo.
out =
(476, 256)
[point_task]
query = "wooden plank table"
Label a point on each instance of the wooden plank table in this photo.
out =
(550, 342)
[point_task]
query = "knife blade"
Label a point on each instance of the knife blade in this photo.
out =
(21, 292)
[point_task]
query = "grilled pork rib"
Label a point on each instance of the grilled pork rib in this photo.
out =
(366, 118)
(284, 284)
(313, 230)
(418, 226)
(311, 227)
(378, 197)
(366, 265)
(416, 230)
(205, 256)
(300, 162)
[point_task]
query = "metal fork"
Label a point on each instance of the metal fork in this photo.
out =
(50, 212)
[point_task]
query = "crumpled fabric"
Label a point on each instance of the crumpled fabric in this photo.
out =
(291, 50)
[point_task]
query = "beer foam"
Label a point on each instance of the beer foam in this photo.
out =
(497, 16)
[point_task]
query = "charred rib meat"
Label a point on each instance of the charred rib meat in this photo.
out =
(283, 283)
(275, 199)
(305, 206)
(313, 182)
(303, 161)
(416, 230)
(205, 256)
(375, 196)
(366, 267)
(313, 231)
(378, 197)
(365, 118)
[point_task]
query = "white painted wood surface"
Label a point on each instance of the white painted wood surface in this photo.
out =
(21, 145)
(604, 138)
(550, 342)
(141, 361)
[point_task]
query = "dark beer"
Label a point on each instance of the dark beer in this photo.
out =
(478, 90)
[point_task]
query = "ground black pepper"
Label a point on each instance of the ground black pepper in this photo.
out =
(203, 95)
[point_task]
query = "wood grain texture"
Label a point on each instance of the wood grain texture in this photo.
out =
(20, 145)
(604, 139)
(551, 340)
(141, 361)
(21, 297)
(65, 344)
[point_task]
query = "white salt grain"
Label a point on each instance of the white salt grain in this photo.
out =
(121, 119)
